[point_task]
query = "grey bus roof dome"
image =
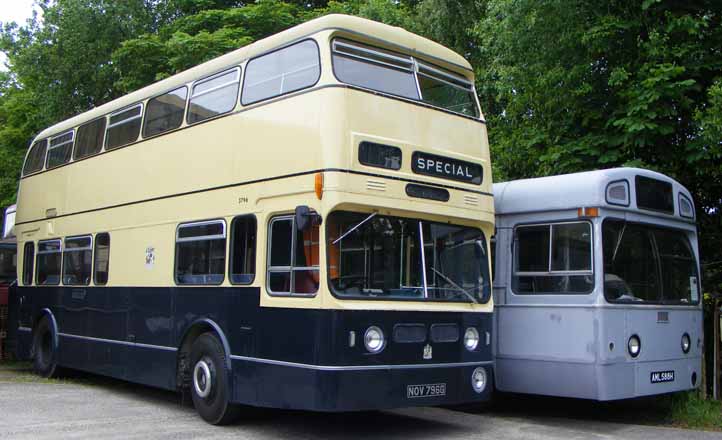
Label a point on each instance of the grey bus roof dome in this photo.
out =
(571, 191)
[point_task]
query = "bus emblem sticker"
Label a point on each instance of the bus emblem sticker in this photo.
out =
(428, 352)
(149, 257)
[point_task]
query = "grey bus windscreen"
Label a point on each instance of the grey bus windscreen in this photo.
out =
(381, 257)
(648, 264)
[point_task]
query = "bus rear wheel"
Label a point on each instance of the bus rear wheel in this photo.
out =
(44, 359)
(209, 381)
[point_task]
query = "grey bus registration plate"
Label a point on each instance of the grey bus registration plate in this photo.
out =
(426, 390)
(661, 376)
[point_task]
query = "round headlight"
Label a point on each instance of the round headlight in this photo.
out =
(478, 379)
(471, 338)
(374, 339)
(686, 343)
(634, 346)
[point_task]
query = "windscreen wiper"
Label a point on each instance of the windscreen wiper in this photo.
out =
(450, 281)
(373, 214)
(619, 241)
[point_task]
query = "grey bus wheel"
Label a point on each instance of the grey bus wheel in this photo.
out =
(44, 355)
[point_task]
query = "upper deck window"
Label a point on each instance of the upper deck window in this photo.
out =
(165, 112)
(124, 127)
(214, 95)
(89, 140)
(402, 75)
(60, 150)
(36, 157)
(283, 71)
(553, 259)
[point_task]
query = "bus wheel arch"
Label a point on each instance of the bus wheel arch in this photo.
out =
(44, 351)
(192, 333)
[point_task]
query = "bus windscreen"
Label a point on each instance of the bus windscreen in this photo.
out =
(381, 257)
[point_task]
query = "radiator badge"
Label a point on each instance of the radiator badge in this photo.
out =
(428, 353)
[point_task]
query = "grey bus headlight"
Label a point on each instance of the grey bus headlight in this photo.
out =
(471, 338)
(374, 339)
(634, 346)
(478, 379)
(686, 343)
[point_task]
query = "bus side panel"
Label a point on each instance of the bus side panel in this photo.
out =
(544, 347)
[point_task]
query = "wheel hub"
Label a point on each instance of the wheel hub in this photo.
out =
(202, 379)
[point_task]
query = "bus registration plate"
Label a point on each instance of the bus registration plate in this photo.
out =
(425, 390)
(662, 376)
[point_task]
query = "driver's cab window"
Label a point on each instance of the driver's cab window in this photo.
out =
(293, 257)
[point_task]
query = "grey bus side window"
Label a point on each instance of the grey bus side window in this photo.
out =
(60, 150)
(200, 253)
(242, 267)
(553, 258)
(28, 263)
(36, 157)
(102, 259)
(293, 263)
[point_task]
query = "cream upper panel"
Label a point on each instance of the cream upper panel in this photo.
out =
(394, 36)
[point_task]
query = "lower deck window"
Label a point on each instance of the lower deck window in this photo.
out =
(49, 261)
(553, 259)
(200, 253)
(77, 261)
(292, 258)
(243, 250)
(28, 262)
(102, 257)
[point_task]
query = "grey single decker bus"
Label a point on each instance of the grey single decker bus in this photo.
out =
(597, 286)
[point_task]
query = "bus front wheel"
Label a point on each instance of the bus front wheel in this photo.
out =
(44, 359)
(209, 381)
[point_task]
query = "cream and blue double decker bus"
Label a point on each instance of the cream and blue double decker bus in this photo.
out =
(301, 223)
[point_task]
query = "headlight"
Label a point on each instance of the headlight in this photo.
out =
(634, 346)
(478, 379)
(686, 343)
(374, 339)
(471, 338)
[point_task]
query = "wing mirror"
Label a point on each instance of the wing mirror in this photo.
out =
(306, 217)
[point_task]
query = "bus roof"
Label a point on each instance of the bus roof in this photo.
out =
(416, 45)
(586, 189)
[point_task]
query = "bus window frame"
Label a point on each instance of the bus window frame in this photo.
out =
(31, 263)
(285, 46)
(192, 85)
(231, 250)
(656, 252)
(592, 273)
(110, 125)
(25, 173)
(415, 62)
(183, 118)
(37, 258)
(90, 248)
(95, 256)
(199, 238)
(102, 143)
(291, 269)
(51, 147)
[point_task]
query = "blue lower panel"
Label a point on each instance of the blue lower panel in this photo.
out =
(308, 388)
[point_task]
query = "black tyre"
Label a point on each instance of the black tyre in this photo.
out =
(210, 389)
(44, 355)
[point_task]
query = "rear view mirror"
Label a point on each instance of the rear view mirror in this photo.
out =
(305, 217)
